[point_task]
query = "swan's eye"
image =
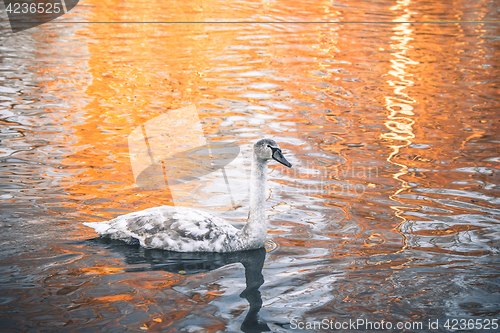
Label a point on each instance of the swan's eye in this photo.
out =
(274, 149)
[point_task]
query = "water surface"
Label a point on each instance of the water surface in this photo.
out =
(390, 212)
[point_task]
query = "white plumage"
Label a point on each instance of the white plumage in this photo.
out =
(184, 229)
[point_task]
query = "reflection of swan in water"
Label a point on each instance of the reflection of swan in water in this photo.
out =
(254, 279)
(184, 229)
(190, 263)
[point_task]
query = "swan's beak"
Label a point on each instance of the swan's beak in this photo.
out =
(278, 156)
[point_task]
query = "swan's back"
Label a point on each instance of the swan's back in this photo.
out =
(172, 228)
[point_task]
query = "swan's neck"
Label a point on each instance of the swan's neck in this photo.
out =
(256, 228)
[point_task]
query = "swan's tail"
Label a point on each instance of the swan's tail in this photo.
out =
(99, 227)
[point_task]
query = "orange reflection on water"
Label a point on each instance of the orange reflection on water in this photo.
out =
(400, 121)
(353, 107)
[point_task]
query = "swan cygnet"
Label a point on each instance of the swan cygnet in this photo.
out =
(184, 229)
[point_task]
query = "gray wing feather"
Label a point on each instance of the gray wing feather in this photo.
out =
(170, 228)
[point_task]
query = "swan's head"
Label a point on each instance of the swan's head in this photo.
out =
(267, 149)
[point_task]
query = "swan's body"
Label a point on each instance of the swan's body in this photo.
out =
(185, 229)
(171, 228)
